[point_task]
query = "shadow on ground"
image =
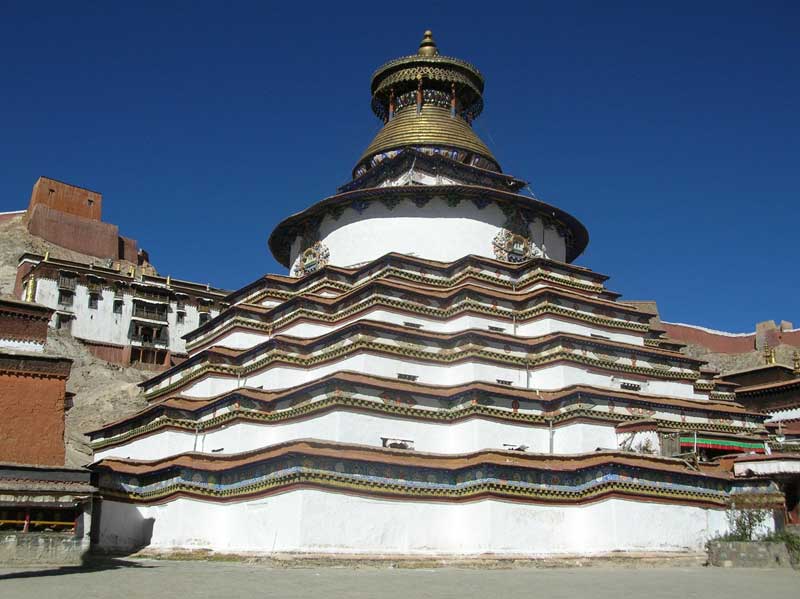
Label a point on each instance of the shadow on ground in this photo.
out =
(94, 564)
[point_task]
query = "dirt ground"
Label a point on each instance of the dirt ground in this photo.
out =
(197, 579)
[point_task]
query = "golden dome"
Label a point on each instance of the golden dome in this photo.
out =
(433, 126)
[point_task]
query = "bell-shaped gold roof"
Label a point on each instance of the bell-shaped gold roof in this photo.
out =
(427, 101)
(433, 126)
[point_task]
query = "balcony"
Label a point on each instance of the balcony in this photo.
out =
(152, 296)
(149, 312)
(147, 341)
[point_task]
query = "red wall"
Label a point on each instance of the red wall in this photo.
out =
(726, 344)
(32, 426)
(19, 327)
(66, 198)
(75, 233)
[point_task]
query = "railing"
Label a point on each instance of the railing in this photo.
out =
(150, 295)
(149, 341)
(149, 313)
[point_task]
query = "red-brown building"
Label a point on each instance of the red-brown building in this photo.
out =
(37, 493)
(33, 387)
(70, 216)
(63, 197)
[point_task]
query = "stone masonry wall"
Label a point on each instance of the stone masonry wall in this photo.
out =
(755, 554)
(42, 549)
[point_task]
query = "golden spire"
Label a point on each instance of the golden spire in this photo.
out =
(30, 290)
(427, 47)
(769, 355)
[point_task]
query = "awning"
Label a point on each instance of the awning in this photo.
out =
(723, 444)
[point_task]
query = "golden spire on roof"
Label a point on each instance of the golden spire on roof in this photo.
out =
(427, 47)
(769, 355)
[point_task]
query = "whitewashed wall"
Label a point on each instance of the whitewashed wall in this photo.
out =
(550, 377)
(324, 522)
(101, 324)
(531, 328)
(435, 232)
(367, 429)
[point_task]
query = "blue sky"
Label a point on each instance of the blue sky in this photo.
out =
(671, 130)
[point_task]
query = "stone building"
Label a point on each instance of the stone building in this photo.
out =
(435, 376)
(124, 316)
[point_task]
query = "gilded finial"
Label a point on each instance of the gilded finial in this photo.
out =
(47, 255)
(769, 355)
(30, 290)
(427, 47)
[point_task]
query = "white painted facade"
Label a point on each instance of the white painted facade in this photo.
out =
(313, 521)
(465, 436)
(25, 345)
(103, 325)
(436, 231)
(548, 377)
(529, 328)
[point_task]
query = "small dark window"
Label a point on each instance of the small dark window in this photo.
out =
(496, 329)
(93, 300)
(504, 382)
(63, 322)
(65, 298)
(397, 443)
(90, 202)
(630, 386)
(117, 306)
(180, 317)
(204, 317)
(407, 377)
(413, 325)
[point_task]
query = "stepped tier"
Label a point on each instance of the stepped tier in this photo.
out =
(547, 362)
(393, 473)
(354, 408)
(312, 496)
(505, 276)
(528, 313)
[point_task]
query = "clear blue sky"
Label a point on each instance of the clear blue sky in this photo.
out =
(671, 129)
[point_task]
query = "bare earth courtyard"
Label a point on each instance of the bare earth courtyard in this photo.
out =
(167, 579)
